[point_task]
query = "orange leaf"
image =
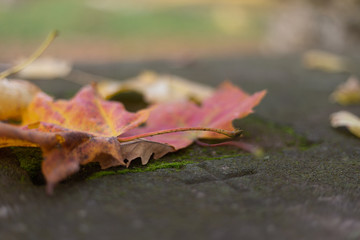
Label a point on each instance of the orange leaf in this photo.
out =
(86, 112)
(15, 96)
(79, 131)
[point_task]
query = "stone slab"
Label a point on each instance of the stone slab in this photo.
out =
(292, 192)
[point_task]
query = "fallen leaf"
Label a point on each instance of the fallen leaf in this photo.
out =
(64, 151)
(325, 61)
(218, 111)
(86, 112)
(346, 119)
(46, 68)
(15, 96)
(78, 131)
(157, 88)
(87, 129)
(348, 92)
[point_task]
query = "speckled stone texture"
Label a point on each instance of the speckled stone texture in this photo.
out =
(306, 186)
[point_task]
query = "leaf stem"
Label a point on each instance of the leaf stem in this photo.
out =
(234, 133)
(32, 58)
(29, 136)
(255, 150)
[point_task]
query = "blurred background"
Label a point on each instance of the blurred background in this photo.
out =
(107, 30)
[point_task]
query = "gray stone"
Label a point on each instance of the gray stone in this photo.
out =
(307, 185)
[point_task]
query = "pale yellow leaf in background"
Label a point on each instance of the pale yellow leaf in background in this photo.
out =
(325, 61)
(15, 96)
(46, 68)
(346, 119)
(348, 92)
(157, 88)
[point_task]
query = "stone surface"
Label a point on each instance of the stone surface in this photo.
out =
(307, 185)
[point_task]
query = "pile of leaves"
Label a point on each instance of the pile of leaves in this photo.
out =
(89, 128)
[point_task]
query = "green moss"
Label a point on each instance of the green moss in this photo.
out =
(30, 160)
(198, 153)
(301, 141)
(22, 178)
(204, 158)
(179, 160)
(148, 168)
(270, 135)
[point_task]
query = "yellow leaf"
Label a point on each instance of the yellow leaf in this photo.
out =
(157, 88)
(15, 96)
(348, 92)
(46, 68)
(346, 119)
(325, 61)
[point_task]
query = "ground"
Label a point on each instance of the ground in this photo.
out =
(306, 186)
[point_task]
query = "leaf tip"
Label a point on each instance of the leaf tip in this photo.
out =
(237, 133)
(55, 33)
(50, 188)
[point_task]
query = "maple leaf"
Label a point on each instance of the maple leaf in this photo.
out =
(86, 112)
(82, 130)
(78, 131)
(217, 111)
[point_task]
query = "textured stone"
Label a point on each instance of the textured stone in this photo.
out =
(305, 187)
